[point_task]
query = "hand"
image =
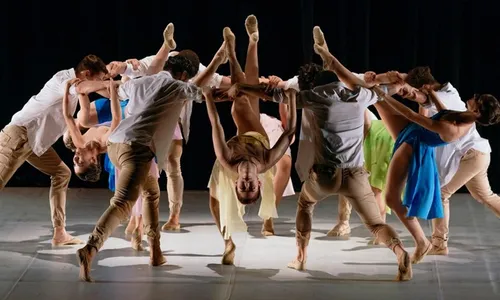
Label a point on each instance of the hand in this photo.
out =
(395, 77)
(116, 68)
(369, 77)
(134, 62)
(274, 81)
(74, 81)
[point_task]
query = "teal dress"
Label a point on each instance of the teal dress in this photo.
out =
(423, 190)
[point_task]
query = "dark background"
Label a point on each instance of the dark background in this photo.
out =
(459, 40)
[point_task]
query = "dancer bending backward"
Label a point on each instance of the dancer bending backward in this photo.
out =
(332, 153)
(413, 162)
(246, 155)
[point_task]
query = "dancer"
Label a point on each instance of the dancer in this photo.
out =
(89, 146)
(413, 161)
(330, 159)
(464, 162)
(155, 105)
(34, 129)
(134, 68)
(377, 148)
(246, 155)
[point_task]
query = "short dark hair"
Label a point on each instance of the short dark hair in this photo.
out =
(179, 64)
(246, 201)
(419, 76)
(92, 173)
(92, 63)
(306, 76)
(325, 77)
(489, 109)
(193, 58)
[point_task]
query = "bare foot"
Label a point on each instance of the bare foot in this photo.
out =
(421, 252)
(136, 240)
(405, 271)
(168, 36)
(130, 227)
(297, 265)
(268, 227)
(342, 229)
(252, 27)
(229, 39)
(84, 257)
(319, 37)
(229, 253)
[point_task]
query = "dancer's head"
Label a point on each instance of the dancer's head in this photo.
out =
(247, 184)
(91, 67)
(306, 76)
(420, 76)
(486, 109)
(86, 160)
(180, 67)
(193, 58)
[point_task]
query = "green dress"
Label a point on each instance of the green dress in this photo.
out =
(378, 147)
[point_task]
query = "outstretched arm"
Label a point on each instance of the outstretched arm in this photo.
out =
(204, 77)
(74, 132)
(409, 114)
(285, 139)
(116, 110)
(218, 138)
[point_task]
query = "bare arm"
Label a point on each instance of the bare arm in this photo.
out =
(433, 97)
(285, 139)
(423, 111)
(408, 113)
(218, 137)
(116, 110)
(204, 77)
(74, 132)
(89, 86)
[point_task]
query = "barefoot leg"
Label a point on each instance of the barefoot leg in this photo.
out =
(162, 55)
(230, 247)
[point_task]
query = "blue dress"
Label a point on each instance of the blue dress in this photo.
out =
(103, 108)
(423, 190)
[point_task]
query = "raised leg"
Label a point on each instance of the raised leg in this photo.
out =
(252, 61)
(162, 55)
(394, 121)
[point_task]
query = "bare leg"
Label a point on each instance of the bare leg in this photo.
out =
(252, 61)
(162, 54)
(175, 186)
(230, 247)
(137, 233)
(396, 179)
(280, 182)
(394, 122)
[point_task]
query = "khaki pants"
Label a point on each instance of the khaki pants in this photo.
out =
(134, 162)
(473, 173)
(15, 150)
(175, 182)
(351, 183)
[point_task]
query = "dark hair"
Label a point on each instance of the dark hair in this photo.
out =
(92, 63)
(193, 58)
(176, 65)
(246, 201)
(92, 173)
(419, 76)
(489, 109)
(325, 77)
(307, 73)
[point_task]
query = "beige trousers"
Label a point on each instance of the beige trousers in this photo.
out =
(473, 173)
(351, 183)
(175, 181)
(134, 162)
(15, 150)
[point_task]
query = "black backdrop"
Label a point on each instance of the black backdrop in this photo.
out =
(458, 39)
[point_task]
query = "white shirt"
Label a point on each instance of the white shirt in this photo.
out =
(42, 115)
(153, 111)
(185, 115)
(448, 157)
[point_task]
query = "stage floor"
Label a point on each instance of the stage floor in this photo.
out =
(337, 269)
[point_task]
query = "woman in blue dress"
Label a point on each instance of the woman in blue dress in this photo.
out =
(413, 161)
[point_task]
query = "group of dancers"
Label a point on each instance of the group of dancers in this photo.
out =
(408, 163)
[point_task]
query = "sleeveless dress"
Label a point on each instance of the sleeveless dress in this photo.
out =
(221, 185)
(423, 190)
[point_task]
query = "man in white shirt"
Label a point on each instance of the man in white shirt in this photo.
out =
(464, 162)
(37, 126)
(330, 158)
(155, 104)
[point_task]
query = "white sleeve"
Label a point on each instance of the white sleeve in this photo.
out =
(368, 97)
(450, 99)
(143, 67)
(292, 83)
